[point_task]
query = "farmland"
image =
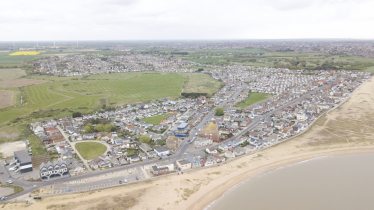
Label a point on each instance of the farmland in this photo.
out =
(90, 150)
(253, 98)
(6, 98)
(27, 53)
(11, 73)
(155, 120)
(292, 60)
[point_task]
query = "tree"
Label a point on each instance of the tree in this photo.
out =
(110, 128)
(99, 127)
(145, 139)
(103, 106)
(88, 128)
(77, 114)
(219, 111)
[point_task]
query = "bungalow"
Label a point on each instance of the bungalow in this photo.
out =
(161, 151)
(133, 158)
(250, 148)
(151, 154)
(142, 156)
(229, 154)
(239, 151)
(167, 163)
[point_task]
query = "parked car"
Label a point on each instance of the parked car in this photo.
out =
(4, 198)
(1, 172)
(125, 180)
(120, 182)
(136, 178)
(9, 182)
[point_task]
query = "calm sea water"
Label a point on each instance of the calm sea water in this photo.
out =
(338, 182)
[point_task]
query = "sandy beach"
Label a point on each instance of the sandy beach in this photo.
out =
(346, 130)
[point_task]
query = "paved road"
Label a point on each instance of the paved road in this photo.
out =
(73, 148)
(31, 186)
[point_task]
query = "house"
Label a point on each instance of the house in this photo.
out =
(133, 158)
(195, 160)
(250, 148)
(151, 154)
(145, 147)
(23, 161)
(159, 171)
(202, 142)
(89, 136)
(161, 151)
(239, 151)
(142, 156)
(76, 169)
(210, 132)
(53, 169)
(183, 165)
(211, 150)
(229, 154)
(167, 163)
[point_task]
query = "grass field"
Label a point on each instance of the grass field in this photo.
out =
(142, 88)
(253, 98)
(117, 89)
(90, 150)
(11, 73)
(155, 120)
(200, 83)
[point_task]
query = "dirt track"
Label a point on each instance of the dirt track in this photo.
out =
(18, 83)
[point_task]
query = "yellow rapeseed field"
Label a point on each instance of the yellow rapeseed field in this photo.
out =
(27, 52)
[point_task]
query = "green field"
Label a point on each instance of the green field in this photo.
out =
(142, 88)
(155, 120)
(292, 60)
(72, 93)
(90, 150)
(253, 98)
(11, 73)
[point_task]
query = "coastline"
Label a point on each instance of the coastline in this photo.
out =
(218, 192)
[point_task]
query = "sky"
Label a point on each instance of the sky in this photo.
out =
(53, 20)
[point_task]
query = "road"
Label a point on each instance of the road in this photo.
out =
(31, 186)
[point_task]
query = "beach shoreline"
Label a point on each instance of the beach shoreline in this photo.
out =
(219, 191)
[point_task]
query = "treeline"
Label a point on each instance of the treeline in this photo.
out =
(194, 95)
(179, 53)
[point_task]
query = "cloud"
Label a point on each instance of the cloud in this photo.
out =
(182, 19)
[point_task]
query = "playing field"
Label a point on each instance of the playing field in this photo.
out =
(155, 120)
(90, 150)
(141, 88)
(253, 98)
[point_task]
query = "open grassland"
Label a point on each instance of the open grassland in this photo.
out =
(200, 83)
(90, 150)
(60, 93)
(11, 73)
(142, 88)
(253, 98)
(6, 98)
(155, 120)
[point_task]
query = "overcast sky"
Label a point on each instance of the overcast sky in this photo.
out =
(33, 20)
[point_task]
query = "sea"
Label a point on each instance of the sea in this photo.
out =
(332, 182)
